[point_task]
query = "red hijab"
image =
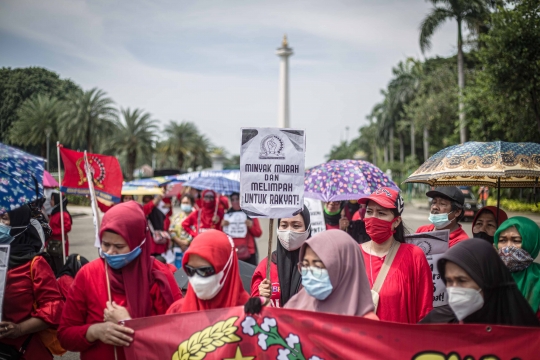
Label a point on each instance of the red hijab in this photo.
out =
(492, 209)
(215, 247)
(207, 211)
(136, 278)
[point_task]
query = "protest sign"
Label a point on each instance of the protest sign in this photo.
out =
(237, 227)
(163, 207)
(305, 335)
(433, 244)
(272, 172)
(316, 215)
(4, 262)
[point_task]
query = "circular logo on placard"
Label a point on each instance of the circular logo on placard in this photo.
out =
(425, 246)
(271, 148)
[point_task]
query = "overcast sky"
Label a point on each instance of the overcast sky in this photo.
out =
(214, 62)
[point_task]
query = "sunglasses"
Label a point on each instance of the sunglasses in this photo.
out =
(204, 271)
(209, 197)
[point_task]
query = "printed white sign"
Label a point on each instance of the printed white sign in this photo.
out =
(316, 215)
(237, 227)
(163, 207)
(4, 261)
(434, 244)
(272, 172)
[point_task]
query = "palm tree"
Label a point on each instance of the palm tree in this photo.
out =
(90, 118)
(37, 117)
(134, 137)
(468, 12)
(200, 153)
(182, 139)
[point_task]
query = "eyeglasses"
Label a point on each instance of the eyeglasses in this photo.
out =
(206, 197)
(204, 271)
(314, 270)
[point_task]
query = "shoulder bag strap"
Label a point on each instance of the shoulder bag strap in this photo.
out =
(386, 267)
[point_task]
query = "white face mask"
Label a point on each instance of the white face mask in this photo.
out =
(292, 240)
(464, 301)
(207, 288)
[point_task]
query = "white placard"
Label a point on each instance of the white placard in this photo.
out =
(237, 227)
(272, 172)
(4, 262)
(316, 215)
(434, 244)
(163, 207)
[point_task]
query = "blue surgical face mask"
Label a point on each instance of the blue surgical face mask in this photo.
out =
(5, 236)
(186, 208)
(440, 220)
(318, 287)
(120, 260)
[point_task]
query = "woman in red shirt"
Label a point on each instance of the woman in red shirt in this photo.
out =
(205, 218)
(406, 295)
(210, 258)
(140, 286)
(245, 246)
(32, 301)
(55, 221)
(285, 279)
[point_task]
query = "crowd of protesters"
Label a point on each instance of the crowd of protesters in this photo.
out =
(360, 266)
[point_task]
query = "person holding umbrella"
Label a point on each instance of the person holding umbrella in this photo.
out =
(446, 212)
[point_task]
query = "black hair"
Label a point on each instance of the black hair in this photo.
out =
(190, 198)
(457, 206)
(401, 230)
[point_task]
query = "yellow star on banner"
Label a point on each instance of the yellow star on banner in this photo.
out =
(239, 355)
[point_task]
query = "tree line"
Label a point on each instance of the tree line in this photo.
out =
(36, 105)
(488, 91)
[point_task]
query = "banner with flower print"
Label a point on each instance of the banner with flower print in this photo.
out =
(284, 334)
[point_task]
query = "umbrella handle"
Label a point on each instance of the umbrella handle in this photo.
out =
(269, 258)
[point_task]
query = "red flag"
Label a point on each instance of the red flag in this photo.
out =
(108, 176)
(293, 334)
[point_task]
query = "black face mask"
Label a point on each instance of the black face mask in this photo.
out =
(485, 236)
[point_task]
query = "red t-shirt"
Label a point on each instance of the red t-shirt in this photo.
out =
(19, 297)
(406, 295)
(84, 308)
(260, 274)
(456, 236)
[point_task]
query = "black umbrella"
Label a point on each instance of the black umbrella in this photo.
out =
(246, 273)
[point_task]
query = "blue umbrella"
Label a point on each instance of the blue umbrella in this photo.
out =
(217, 183)
(150, 182)
(21, 178)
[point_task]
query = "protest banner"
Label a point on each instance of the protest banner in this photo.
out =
(293, 334)
(4, 262)
(272, 172)
(433, 244)
(106, 171)
(237, 227)
(316, 214)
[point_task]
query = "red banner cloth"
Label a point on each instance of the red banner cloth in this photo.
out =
(293, 334)
(108, 176)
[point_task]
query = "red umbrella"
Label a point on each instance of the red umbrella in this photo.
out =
(48, 180)
(174, 190)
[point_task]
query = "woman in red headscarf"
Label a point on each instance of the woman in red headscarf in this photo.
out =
(140, 286)
(214, 279)
(485, 223)
(206, 218)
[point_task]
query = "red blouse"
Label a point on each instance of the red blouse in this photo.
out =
(19, 297)
(406, 295)
(64, 284)
(84, 307)
(260, 274)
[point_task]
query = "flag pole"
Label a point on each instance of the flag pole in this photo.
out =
(93, 198)
(61, 204)
(269, 258)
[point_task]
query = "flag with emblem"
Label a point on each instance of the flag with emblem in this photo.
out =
(106, 171)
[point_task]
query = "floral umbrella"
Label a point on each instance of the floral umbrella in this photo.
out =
(494, 164)
(339, 180)
(21, 178)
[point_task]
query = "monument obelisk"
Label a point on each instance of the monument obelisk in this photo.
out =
(284, 52)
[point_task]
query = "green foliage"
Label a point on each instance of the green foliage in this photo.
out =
(36, 117)
(515, 205)
(18, 85)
